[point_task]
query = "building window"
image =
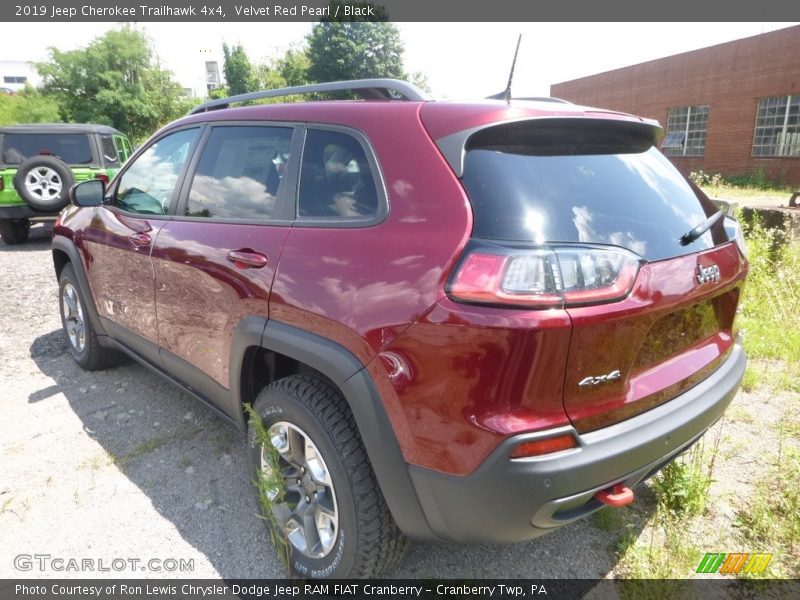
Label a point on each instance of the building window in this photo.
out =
(686, 131)
(14, 79)
(777, 127)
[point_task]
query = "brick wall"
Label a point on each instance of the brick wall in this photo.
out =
(730, 78)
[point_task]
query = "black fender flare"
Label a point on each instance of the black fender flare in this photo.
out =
(344, 369)
(67, 246)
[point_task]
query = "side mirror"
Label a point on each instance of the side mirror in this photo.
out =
(88, 193)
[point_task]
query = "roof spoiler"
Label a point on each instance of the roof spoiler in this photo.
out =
(453, 146)
(368, 89)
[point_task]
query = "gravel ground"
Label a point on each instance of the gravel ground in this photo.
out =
(120, 465)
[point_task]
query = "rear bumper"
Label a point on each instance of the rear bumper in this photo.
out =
(512, 501)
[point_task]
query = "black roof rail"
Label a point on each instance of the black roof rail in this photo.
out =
(368, 89)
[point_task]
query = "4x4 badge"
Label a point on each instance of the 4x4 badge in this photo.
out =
(707, 274)
(613, 376)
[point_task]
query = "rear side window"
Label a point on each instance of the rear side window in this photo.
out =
(599, 183)
(239, 173)
(109, 151)
(336, 181)
(72, 148)
(123, 148)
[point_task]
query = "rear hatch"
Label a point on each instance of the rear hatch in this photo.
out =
(593, 205)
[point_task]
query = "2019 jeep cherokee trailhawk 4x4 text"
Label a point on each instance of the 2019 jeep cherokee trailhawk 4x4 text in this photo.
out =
(472, 322)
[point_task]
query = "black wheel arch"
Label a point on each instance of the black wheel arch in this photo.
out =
(346, 372)
(64, 251)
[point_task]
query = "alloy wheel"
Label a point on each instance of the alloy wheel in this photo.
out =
(73, 317)
(307, 510)
(44, 183)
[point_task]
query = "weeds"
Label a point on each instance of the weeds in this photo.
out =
(97, 462)
(770, 314)
(753, 184)
(665, 554)
(774, 514)
(608, 519)
(704, 179)
(752, 378)
(682, 486)
(7, 505)
(270, 488)
(140, 450)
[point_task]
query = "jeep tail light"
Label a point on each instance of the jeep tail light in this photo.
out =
(543, 277)
(102, 177)
(545, 446)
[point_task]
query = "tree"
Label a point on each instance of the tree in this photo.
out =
(238, 70)
(293, 66)
(289, 70)
(350, 49)
(113, 81)
(28, 106)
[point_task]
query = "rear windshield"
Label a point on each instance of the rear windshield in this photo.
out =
(573, 182)
(72, 148)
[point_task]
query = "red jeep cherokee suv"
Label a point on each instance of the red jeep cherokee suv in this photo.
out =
(473, 322)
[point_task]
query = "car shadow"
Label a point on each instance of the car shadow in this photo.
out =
(192, 467)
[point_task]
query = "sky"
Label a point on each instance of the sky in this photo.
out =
(460, 60)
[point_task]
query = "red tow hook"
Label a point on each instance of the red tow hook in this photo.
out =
(618, 495)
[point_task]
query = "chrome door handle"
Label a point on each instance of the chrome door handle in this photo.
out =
(246, 259)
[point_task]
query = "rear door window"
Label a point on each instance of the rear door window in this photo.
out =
(72, 148)
(554, 181)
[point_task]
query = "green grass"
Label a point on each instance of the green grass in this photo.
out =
(608, 519)
(665, 549)
(145, 447)
(739, 186)
(7, 505)
(664, 552)
(682, 486)
(770, 307)
(752, 379)
(270, 488)
(774, 515)
(729, 192)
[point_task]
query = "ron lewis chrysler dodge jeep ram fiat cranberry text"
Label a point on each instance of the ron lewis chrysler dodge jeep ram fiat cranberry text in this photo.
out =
(473, 322)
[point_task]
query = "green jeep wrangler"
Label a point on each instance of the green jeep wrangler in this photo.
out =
(39, 163)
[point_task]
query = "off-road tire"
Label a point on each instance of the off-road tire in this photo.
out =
(91, 356)
(15, 231)
(46, 164)
(368, 541)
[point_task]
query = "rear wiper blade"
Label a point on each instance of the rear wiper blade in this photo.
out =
(691, 235)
